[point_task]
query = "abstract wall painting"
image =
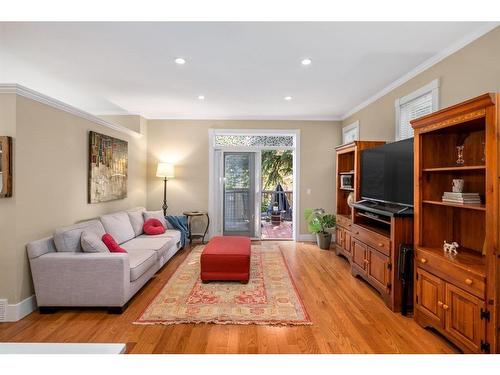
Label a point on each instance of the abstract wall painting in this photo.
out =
(108, 168)
(5, 167)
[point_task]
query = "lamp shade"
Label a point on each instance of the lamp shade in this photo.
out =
(165, 170)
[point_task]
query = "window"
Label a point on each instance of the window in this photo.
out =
(254, 140)
(415, 105)
(350, 133)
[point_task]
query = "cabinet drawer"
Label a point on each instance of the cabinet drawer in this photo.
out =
(344, 221)
(375, 240)
(447, 270)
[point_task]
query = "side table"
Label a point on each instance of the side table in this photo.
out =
(190, 215)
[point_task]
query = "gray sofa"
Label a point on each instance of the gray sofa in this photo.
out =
(64, 275)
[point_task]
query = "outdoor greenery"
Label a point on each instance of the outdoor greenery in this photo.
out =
(277, 168)
(318, 221)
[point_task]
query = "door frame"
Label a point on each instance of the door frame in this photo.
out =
(213, 201)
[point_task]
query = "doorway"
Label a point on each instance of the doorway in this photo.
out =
(253, 183)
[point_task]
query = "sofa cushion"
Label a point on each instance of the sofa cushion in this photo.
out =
(119, 226)
(145, 242)
(155, 215)
(169, 233)
(111, 244)
(92, 243)
(140, 261)
(69, 238)
(153, 226)
(136, 219)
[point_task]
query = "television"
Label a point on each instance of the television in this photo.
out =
(387, 173)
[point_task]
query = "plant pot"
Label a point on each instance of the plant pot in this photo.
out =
(324, 240)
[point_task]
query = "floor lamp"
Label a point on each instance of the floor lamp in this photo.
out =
(166, 171)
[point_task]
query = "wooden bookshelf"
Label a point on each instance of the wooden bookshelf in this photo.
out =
(455, 293)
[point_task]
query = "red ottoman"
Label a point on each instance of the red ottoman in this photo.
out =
(226, 258)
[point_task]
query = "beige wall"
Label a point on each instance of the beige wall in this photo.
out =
(50, 182)
(185, 143)
(469, 72)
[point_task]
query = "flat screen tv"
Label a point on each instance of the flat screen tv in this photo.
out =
(387, 173)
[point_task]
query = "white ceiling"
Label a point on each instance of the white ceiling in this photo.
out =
(243, 69)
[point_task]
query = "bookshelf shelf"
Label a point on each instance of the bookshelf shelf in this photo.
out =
(456, 168)
(479, 207)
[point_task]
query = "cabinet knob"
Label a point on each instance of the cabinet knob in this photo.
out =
(423, 260)
(356, 232)
(468, 281)
(440, 304)
(445, 307)
(380, 244)
(365, 260)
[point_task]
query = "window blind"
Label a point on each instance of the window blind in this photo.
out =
(411, 110)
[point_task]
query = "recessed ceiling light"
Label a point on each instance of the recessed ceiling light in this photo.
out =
(306, 61)
(180, 61)
(288, 98)
(201, 97)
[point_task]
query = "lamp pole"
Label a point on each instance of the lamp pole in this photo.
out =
(165, 206)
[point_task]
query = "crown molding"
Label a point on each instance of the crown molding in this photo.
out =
(424, 66)
(14, 88)
(243, 118)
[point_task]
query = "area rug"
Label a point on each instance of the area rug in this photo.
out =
(270, 297)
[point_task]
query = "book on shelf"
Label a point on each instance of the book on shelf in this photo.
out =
(460, 201)
(461, 198)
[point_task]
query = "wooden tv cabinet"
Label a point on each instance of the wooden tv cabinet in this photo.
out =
(375, 243)
(458, 295)
(370, 246)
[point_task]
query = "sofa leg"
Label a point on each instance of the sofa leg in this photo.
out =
(47, 309)
(116, 309)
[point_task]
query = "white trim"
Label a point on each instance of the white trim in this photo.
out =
(431, 87)
(187, 117)
(348, 128)
(20, 310)
(212, 209)
(311, 237)
(424, 66)
(306, 237)
(14, 88)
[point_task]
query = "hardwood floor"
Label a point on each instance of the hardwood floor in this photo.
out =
(348, 317)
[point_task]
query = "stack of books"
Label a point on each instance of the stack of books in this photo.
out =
(461, 198)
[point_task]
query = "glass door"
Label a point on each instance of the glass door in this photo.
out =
(239, 194)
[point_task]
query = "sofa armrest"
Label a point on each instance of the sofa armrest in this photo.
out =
(81, 279)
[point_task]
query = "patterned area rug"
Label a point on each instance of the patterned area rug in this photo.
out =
(269, 298)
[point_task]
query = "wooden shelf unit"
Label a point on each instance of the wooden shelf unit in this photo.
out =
(458, 295)
(347, 162)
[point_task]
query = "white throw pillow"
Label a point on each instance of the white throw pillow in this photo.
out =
(155, 215)
(91, 243)
(137, 220)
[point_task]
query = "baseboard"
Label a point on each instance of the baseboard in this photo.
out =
(309, 237)
(20, 310)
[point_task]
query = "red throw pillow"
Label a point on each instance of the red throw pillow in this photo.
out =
(153, 226)
(110, 242)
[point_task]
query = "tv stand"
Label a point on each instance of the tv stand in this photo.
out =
(378, 232)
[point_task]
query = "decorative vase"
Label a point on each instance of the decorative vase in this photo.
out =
(460, 154)
(350, 199)
(324, 239)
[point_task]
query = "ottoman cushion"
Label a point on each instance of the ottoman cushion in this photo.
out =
(226, 258)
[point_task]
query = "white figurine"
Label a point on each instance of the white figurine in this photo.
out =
(450, 247)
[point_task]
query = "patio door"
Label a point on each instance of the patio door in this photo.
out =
(239, 194)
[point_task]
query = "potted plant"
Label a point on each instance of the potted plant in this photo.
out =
(320, 223)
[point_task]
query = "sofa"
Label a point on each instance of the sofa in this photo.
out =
(65, 275)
